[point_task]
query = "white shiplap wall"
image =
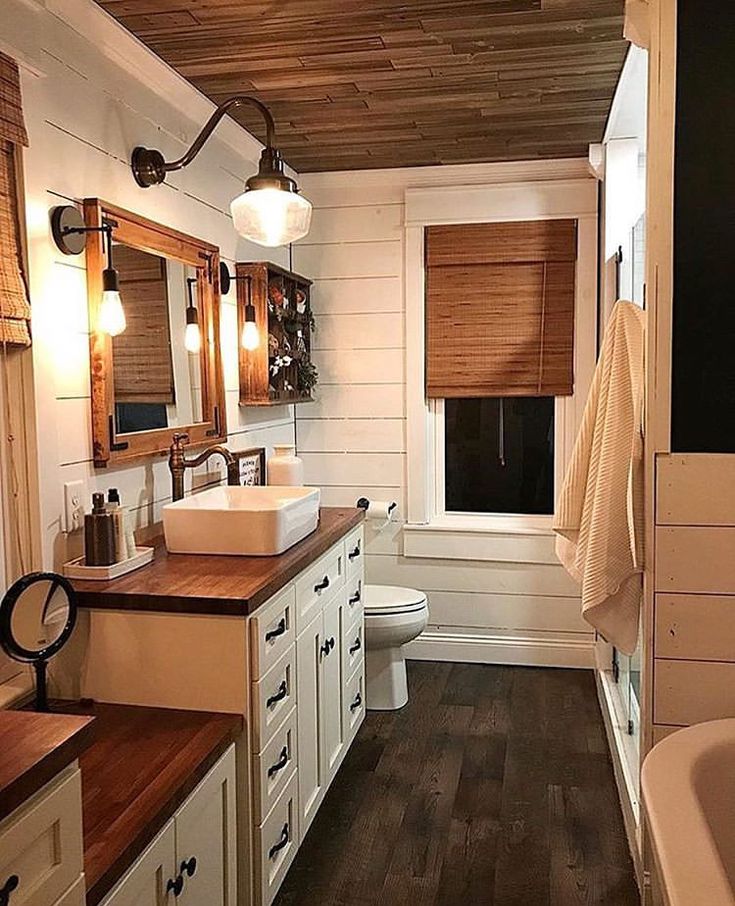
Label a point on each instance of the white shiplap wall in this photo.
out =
(91, 93)
(353, 438)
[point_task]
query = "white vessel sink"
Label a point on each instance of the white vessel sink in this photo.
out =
(249, 521)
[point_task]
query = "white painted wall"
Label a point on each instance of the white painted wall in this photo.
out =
(91, 93)
(353, 438)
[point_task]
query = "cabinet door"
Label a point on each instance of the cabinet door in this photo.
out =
(308, 671)
(206, 839)
(147, 881)
(331, 688)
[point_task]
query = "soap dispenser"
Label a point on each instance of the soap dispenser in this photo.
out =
(99, 534)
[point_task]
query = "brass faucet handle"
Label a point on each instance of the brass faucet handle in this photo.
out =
(180, 439)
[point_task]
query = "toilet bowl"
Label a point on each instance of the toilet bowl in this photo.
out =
(393, 617)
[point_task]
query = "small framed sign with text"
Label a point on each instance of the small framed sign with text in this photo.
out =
(252, 465)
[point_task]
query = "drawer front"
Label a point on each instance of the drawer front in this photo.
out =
(353, 599)
(353, 646)
(318, 584)
(273, 697)
(276, 843)
(41, 843)
(274, 767)
(355, 551)
(353, 703)
(273, 631)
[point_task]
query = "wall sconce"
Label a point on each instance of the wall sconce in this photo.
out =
(270, 211)
(70, 235)
(250, 336)
(192, 334)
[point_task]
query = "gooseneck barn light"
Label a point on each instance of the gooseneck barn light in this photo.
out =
(270, 211)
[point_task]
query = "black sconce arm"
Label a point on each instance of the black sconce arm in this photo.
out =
(149, 166)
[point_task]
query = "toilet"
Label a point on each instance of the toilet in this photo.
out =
(393, 617)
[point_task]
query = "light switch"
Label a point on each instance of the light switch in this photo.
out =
(74, 494)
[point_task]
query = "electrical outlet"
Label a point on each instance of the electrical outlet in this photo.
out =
(74, 495)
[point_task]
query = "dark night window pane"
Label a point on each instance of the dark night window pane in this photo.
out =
(500, 455)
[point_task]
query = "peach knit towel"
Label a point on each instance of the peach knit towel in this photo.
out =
(599, 513)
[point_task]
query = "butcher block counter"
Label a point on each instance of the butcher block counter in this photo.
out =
(206, 584)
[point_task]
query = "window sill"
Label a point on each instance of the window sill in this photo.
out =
(504, 539)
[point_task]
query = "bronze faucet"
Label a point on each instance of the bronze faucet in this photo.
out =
(178, 463)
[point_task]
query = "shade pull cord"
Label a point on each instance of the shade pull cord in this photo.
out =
(501, 431)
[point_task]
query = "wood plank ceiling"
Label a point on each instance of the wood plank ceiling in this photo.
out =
(383, 83)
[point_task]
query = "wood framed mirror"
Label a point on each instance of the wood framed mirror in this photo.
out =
(145, 384)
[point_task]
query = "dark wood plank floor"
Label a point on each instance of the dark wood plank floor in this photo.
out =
(493, 786)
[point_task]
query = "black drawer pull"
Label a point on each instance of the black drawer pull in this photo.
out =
(327, 647)
(320, 586)
(278, 696)
(280, 764)
(277, 847)
(355, 646)
(356, 703)
(8, 887)
(355, 599)
(279, 630)
(175, 885)
(189, 866)
(355, 552)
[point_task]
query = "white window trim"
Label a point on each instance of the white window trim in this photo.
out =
(538, 198)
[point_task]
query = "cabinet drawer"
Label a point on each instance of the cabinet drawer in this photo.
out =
(353, 646)
(353, 599)
(276, 843)
(354, 551)
(318, 584)
(272, 631)
(353, 703)
(41, 843)
(274, 767)
(273, 697)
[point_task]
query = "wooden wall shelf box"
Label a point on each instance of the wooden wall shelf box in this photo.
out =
(258, 387)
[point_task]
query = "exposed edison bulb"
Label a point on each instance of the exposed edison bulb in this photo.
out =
(271, 216)
(250, 338)
(192, 338)
(111, 319)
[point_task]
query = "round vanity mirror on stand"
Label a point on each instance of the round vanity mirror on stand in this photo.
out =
(37, 616)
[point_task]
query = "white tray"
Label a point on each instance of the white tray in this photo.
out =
(75, 569)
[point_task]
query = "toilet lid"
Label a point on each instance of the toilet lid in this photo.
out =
(392, 599)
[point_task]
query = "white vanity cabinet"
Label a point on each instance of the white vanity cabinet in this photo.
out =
(41, 853)
(304, 719)
(192, 860)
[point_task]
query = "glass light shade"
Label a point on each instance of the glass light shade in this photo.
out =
(250, 335)
(111, 318)
(271, 216)
(192, 338)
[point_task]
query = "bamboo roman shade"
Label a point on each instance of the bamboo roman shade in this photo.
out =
(500, 309)
(142, 365)
(15, 310)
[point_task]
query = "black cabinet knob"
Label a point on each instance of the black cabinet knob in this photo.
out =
(279, 630)
(175, 885)
(320, 586)
(8, 887)
(277, 847)
(355, 552)
(280, 764)
(356, 645)
(356, 703)
(355, 599)
(189, 867)
(277, 696)
(327, 647)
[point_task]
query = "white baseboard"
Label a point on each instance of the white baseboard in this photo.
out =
(496, 649)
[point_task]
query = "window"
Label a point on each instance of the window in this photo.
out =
(499, 455)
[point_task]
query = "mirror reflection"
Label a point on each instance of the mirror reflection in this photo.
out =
(40, 615)
(157, 363)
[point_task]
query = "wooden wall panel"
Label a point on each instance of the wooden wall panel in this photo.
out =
(695, 627)
(689, 692)
(695, 489)
(696, 559)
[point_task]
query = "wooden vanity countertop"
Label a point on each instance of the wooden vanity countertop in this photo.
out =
(207, 584)
(139, 766)
(34, 748)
